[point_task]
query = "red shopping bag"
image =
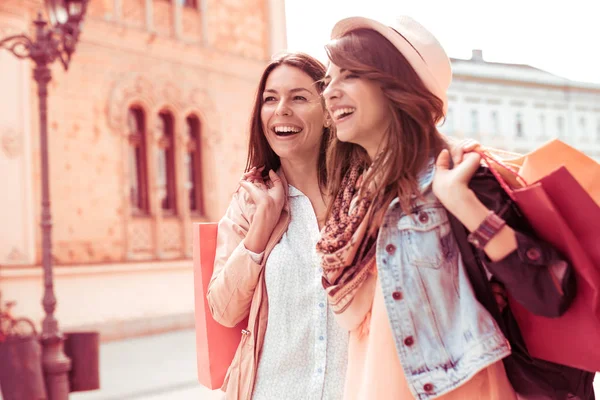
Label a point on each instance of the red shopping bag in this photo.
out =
(564, 214)
(215, 344)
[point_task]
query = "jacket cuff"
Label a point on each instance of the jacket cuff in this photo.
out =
(256, 257)
(531, 252)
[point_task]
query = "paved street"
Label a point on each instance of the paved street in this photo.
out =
(161, 367)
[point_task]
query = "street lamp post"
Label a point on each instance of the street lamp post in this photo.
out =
(50, 43)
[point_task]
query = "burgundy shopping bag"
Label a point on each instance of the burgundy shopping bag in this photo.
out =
(215, 344)
(565, 215)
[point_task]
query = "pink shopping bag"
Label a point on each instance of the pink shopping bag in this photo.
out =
(215, 344)
(563, 213)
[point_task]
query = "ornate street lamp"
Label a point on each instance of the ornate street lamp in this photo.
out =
(56, 41)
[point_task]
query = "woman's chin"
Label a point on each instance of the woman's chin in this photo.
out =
(346, 136)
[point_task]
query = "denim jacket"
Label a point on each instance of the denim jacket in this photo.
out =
(443, 335)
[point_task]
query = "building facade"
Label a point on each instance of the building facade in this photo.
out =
(147, 135)
(518, 107)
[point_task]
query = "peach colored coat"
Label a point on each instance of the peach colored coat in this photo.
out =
(237, 290)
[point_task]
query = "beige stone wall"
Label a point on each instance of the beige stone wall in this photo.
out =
(152, 53)
(118, 63)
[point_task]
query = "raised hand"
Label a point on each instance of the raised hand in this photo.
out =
(269, 198)
(267, 194)
(458, 149)
(451, 185)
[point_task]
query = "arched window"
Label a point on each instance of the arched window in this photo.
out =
(193, 166)
(189, 3)
(138, 181)
(165, 155)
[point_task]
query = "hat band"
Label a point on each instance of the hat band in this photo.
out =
(411, 45)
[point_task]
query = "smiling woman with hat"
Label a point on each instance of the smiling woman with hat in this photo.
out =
(393, 269)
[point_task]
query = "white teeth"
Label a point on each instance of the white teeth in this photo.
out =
(342, 111)
(285, 129)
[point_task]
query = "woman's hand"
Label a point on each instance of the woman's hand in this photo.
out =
(269, 197)
(451, 188)
(451, 185)
(459, 148)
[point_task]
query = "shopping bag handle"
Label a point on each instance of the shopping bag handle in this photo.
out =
(489, 160)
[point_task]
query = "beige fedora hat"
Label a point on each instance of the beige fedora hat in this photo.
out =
(422, 50)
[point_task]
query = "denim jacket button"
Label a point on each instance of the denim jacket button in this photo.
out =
(390, 248)
(423, 217)
(397, 295)
(533, 254)
(409, 341)
(428, 387)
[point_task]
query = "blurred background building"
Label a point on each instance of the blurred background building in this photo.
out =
(146, 135)
(518, 107)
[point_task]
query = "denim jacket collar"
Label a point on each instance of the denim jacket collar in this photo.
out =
(425, 177)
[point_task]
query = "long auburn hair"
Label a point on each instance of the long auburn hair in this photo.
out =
(259, 151)
(412, 137)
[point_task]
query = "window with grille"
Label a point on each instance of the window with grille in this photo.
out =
(560, 126)
(474, 122)
(519, 125)
(495, 123)
(582, 128)
(189, 3)
(193, 166)
(166, 182)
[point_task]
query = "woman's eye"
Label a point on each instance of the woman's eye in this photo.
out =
(351, 76)
(269, 99)
(301, 98)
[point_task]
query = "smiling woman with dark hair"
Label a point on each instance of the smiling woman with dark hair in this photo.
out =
(266, 267)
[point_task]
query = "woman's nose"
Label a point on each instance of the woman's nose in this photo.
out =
(331, 92)
(283, 109)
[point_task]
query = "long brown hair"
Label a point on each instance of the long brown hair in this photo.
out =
(259, 151)
(412, 138)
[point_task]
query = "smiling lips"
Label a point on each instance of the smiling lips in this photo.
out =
(286, 130)
(341, 113)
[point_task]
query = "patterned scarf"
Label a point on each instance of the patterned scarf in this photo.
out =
(347, 250)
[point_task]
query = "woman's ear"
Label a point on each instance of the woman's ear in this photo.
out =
(328, 120)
